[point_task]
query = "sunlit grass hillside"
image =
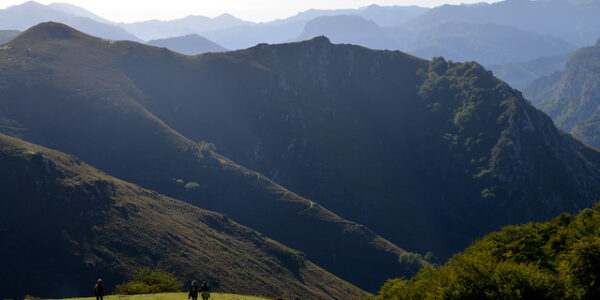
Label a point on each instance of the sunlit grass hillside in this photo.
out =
(173, 296)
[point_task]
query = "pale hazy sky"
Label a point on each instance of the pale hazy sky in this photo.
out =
(253, 10)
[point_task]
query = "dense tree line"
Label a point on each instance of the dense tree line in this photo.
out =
(553, 260)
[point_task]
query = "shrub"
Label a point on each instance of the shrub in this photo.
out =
(150, 281)
(190, 186)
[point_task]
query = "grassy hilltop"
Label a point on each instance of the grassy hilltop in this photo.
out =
(172, 296)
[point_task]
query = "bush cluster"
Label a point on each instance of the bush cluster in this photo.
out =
(150, 281)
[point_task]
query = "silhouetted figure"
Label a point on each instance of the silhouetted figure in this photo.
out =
(193, 290)
(205, 290)
(99, 290)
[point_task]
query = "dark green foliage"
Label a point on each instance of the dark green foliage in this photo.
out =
(150, 281)
(553, 260)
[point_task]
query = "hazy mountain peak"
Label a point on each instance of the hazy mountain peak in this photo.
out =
(50, 31)
(30, 4)
(226, 16)
(321, 39)
(78, 11)
(190, 44)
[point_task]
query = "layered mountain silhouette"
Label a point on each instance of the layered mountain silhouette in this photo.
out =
(21, 17)
(190, 44)
(522, 74)
(90, 97)
(64, 224)
(79, 11)
(572, 20)
(306, 25)
(385, 16)
(348, 29)
(235, 33)
(155, 29)
(485, 43)
(572, 97)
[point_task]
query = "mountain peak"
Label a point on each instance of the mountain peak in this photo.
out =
(320, 40)
(30, 4)
(226, 16)
(51, 31)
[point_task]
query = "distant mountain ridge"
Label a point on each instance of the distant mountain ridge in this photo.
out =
(572, 97)
(28, 14)
(485, 43)
(349, 30)
(190, 44)
(573, 21)
(154, 29)
(7, 35)
(521, 74)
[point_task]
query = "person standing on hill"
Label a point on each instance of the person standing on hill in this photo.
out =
(193, 290)
(99, 290)
(205, 290)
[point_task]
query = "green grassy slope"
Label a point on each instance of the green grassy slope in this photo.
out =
(559, 259)
(64, 224)
(69, 91)
(172, 296)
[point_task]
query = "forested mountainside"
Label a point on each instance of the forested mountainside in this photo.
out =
(558, 259)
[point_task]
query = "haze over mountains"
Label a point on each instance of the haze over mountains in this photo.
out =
(7, 35)
(572, 96)
(21, 17)
(190, 44)
(458, 32)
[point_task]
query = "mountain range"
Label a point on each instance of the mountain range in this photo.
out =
(487, 44)
(21, 17)
(521, 74)
(314, 117)
(96, 106)
(349, 155)
(190, 44)
(459, 33)
(574, 21)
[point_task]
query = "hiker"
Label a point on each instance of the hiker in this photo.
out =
(99, 290)
(193, 290)
(205, 290)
